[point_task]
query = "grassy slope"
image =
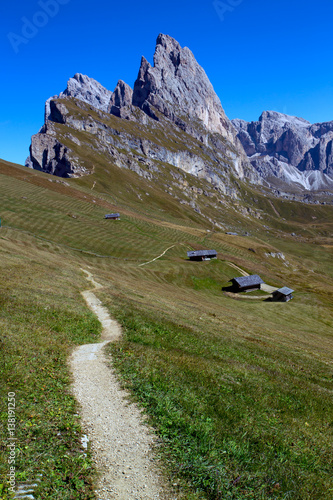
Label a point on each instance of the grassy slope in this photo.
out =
(42, 317)
(240, 391)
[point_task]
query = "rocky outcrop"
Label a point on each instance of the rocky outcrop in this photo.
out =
(88, 90)
(85, 89)
(178, 87)
(175, 97)
(49, 155)
(289, 150)
(181, 121)
(121, 100)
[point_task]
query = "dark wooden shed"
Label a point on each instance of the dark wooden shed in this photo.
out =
(112, 216)
(283, 294)
(247, 283)
(202, 255)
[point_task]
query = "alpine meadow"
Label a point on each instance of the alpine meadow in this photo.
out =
(236, 385)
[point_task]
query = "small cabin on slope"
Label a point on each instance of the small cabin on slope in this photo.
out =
(112, 216)
(202, 255)
(247, 283)
(283, 294)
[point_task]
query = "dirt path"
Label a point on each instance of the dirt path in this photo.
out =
(268, 288)
(240, 270)
(246, 297)
(158, 257)
(121, 444)
(273, 207)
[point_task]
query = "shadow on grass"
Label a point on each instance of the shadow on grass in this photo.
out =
(230, 289)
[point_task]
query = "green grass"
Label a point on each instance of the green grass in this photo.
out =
(238, 419)
(239, 390)
(42, 318)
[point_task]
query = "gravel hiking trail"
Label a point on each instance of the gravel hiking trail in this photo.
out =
(121, 443)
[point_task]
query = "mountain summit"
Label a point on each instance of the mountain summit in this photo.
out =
(178, 87)
(172, 116)
(172, 102)
(289, 152)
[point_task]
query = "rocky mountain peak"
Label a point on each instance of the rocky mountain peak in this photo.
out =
(167, 53)
(283, 119)
(143, 84)
(172, 97)
(289, 149)
(178, 87)
(88, 90)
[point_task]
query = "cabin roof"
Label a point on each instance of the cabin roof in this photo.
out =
(112, 215)
(244, 281)
(201, 253)
(285, 291)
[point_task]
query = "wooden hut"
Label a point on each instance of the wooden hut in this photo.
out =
(247, 283)
(283, 294)
(112, 216)
(202, 255)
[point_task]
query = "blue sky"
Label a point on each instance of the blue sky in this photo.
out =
(259, 54)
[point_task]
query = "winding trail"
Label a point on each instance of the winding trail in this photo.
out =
(159, 256)
(120, 442)
(156, 258)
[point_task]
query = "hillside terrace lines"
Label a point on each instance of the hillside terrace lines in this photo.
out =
(50, 184)
(32, 181)
(30, 196)
(110, 241)
(116, 251)
(49, 214)
(55, 244)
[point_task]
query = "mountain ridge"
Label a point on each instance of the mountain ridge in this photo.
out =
(163, 100)
(289, 149)
(285, 154)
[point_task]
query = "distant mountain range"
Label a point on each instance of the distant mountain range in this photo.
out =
(172, 116)
(288, 151)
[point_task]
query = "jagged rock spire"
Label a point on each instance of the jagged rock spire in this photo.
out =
(177, 85)
(121, 97)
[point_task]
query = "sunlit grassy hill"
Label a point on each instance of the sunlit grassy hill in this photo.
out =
(239, 388)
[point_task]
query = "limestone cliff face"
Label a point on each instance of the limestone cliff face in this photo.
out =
(88, 90)
(120, 99)
(174, 98)
(289, 150)
(178, 119)
(178, 87)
